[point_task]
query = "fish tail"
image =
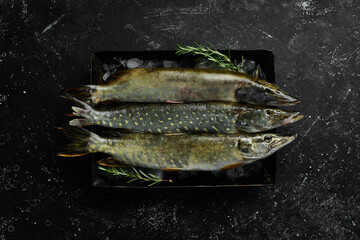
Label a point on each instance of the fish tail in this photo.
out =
(83, 93)
(80, 112)
(79, 145)
(78, 122)
(86, 113)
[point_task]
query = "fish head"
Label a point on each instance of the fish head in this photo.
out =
(264, 93)
(263, 119)
(262, 145)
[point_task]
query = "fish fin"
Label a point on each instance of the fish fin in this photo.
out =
(171, 169)
(111, 162)
(115, 132)
(233, 165)
(171, 134)
(78, 111)
(79, 122)
(84, 112)
(79, 142)
(173, 101)
(125, 130)
(83, 93)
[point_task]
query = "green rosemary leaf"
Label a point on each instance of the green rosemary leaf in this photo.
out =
(153, 183)
(133, 175)
(210, 54)
(131, 180)
(153, 176)
(141, 172)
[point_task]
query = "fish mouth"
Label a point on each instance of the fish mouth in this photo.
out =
(284, 102)
(289, 139)
(280, 142)
(294, 117)
(285, 140)
(287, 100)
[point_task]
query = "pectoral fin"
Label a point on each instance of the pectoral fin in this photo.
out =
(172, 134)
(174, 101)
(233, 165)
(110, 162)
(171, 169)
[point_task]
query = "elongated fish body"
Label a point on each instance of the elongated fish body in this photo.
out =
(182, 85)
(193, 117)
(203, 152)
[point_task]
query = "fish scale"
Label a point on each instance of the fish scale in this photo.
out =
(182, 85)
(203, 152)
(193, 117)
(176, 151)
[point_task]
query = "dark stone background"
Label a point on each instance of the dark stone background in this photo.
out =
(45, 46)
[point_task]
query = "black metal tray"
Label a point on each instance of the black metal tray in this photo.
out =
(259, 173)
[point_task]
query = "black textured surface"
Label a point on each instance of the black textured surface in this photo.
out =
(45, 46)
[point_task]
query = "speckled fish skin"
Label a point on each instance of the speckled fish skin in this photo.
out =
(202, 152)
(193, 117)
(183, 85)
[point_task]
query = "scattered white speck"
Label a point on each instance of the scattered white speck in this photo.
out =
(306, 6)
(343, 100)
(3, 98)
(52, 24)
(267, 34)
(25, 9)
(11, 228)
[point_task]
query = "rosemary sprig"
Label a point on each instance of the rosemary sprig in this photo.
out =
(210, 54)
(217, 58)
(134, 175)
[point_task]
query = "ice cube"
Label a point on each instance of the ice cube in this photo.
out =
(106, 76)
(106, 67)
(153, 64)
(133, 63)
(122, 62)
(170, 64)
(252, 68)
(235, 173)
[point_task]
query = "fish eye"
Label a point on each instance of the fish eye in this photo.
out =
(268, 91)
(267, 138)
(268, 112)
(245, 150)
